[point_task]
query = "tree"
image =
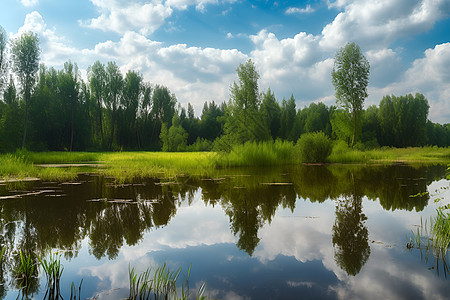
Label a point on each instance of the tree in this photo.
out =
(131, 98)
(350, 77)
(288, 113)
(244, 121)
(3, 59)
(25, 55)
(69, 88)
(163, 108)
(174, 138)
(97, 83)
(114, 87)
(272, 112)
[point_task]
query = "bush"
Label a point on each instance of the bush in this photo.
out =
(257, 154)
(314, 147)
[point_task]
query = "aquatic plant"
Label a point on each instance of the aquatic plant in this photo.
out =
(25, 271)
(73, 292)
(53, 271)
(160, 283)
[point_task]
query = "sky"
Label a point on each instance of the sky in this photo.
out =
(195, 46)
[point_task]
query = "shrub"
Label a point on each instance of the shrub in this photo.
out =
(314, 147)
(257, 154)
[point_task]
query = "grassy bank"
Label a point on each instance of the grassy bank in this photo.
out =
(125, 166)
(342, 154)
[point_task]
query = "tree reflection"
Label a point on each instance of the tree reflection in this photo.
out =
(41, 224)
(350, 235)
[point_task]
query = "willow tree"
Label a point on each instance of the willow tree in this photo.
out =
(3, 59)
(350, 77)
(25, 56)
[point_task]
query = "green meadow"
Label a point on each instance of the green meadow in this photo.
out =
(126, 166)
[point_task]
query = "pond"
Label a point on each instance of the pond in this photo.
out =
(300, 232)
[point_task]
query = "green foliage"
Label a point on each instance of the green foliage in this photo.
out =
(25, 271)
(403, 120)
(257, 154)
(342, 125)
(350, 77)
(287, 120)
(3, 59)
(173, 139)
(272, 113)
(53, 271)
(160, 283)
(200, 145)
(244, 121)
(25, 54)
(314, 147)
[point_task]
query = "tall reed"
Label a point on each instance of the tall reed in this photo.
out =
(25, 271)
(53, 271)
(160, 283)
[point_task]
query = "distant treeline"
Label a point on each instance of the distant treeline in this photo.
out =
(57, 110)
(112, 112)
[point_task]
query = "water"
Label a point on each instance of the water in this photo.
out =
(320, 232)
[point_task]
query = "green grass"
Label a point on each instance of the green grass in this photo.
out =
(257, 154)
(126, 166)
(342, 154)
(161, 283)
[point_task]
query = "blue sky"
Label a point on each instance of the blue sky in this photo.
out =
(195, 46)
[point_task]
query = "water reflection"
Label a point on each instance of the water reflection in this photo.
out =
(63, 218)
(350, 235)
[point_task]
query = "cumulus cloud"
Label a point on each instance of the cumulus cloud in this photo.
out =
(293, 65)
(295, 10)
(120, 17)
(376, 24)
(29, 3)
(430, 76)
(54, 49)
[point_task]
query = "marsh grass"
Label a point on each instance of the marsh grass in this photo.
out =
(257, 154)
(53, 271)
(24, 272)
(160, 283)
(128, 166)
(341, 153)
(57, 157)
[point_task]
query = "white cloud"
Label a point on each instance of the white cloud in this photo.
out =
(121, 16)
(430, 76)
(200, 5)
(293, 65)
(29, 3)
(54, 49)
(295, 10)
(376, 24)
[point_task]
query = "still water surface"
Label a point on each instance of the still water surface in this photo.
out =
(304, 232)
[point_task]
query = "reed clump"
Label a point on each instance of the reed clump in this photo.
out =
(257, 154)
(161, 283)
(53, 271)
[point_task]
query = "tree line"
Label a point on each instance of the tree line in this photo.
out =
(44, 108)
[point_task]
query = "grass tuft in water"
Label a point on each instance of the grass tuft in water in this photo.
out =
(24, 272)
(53, 271)
(160, 283)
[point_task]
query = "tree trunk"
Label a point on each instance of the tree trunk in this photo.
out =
(26, 122)
(354, 127)
(71, 131)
